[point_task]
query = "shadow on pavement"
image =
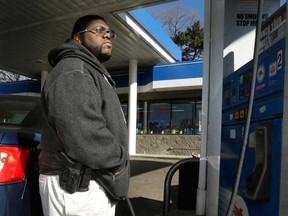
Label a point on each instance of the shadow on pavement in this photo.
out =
(143, 166)
(147, 187)
(142, 207)
(147, 207)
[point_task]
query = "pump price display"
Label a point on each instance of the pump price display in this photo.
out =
(279, 60)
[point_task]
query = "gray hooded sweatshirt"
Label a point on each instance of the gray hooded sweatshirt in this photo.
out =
(82, 113)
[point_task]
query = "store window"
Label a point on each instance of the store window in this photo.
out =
(198, 122)
(182, 118)
(167, 117)
(140, 118)
(125, 110)
(159, 118)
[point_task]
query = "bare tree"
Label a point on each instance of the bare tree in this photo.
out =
(175, 19)
(6, 76)
(184, 28)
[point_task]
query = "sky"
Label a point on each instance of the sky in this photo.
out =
(195, 5)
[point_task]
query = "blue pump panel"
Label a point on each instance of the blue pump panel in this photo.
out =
(259, 188)
(269, 79)
(268, 107)
(230, 150)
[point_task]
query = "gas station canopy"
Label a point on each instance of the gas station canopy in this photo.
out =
(30, 29)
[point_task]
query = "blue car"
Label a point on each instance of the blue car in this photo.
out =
(20, 125)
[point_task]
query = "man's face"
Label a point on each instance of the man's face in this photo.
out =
(98, 44)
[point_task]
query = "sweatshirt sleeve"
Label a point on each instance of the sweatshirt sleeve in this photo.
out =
(74, 104)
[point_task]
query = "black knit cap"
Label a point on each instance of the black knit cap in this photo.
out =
(83, 22)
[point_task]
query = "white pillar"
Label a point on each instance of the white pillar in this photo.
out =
(201, 190)
(145, 117)
(212, 99)
(132, 108)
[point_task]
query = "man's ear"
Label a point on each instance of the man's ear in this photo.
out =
(77, 38)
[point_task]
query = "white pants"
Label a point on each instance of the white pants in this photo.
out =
(57, 202)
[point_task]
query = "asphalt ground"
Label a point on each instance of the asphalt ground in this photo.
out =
(146, 189)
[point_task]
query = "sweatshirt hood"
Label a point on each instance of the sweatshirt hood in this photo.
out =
(71, 49)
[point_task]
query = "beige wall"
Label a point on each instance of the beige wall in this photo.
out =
(168, 144)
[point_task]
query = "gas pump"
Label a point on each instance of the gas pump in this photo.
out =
(259, 188)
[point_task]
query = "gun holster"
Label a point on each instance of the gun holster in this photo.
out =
(75, 177)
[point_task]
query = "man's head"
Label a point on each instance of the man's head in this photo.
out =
(92, 31)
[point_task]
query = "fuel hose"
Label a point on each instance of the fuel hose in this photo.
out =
(249, 113)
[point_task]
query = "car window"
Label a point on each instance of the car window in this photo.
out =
(12, 117)
(15, 112)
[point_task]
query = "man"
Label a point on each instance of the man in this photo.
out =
(83, 125)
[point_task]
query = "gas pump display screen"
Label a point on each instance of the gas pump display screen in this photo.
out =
(244, 85)
(229, 94)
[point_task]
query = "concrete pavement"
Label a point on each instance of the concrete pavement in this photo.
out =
(147, 187)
